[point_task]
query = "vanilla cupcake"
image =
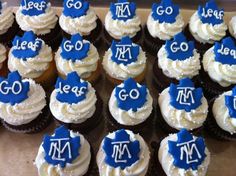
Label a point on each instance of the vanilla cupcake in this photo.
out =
(183, 154)
(124, 60)
(3, 61)
(132, 160)
(232, 27)
(74, 157)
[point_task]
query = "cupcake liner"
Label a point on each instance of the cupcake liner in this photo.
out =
(92, 170)
(4, 70)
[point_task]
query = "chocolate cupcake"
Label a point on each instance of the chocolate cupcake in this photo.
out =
(75, 104)
(23, 106)
(232, 27)
(182, 106)
(184, 154)
(79, 17)
(65, 152)
(176, 60)
(121, 21)
(3, 61)
(163, 23)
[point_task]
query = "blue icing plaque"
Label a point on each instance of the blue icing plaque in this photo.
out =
(188, 152)
(12, 89)
(75, 8)
(61, 148)
(72, 89)
(185, 96)
(121, 151)
(179, 48)
(27, 46)
(210, 13)
(75, 48)
(230, 103)
(131, 96)
(124, 52)
(225, 51)
(34, 7)
(123, 10)
(165, 11)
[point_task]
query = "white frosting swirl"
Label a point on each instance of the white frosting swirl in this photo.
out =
(164, 31)
(78, 167)
(41, 24)
(83, 67)
(232, 27)
(179, 69)
(221, 114)
(3, 53)
(179, 119)
(76, 112)
(27, 110)
(223, 74)
(167, 160)
(83, 25)
(33, 67)
(6, 20)
(204, 32)
(139, 168)
(119, 28)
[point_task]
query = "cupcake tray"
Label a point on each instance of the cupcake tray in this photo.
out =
(18, 151)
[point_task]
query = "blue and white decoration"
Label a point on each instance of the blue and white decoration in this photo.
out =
(179, 48)
(124, 52)
(123, 10)
(230, 103)
(225, 51)
(131, 96)
(165, 11)
(121, 151)
(27, 46)
(75, 48)
(61, 148)
(12, 89)
(34, 7)
(72, 89)
(0, 7)
(75, 8)
(188, 152)
(185, 96)
(210, 13)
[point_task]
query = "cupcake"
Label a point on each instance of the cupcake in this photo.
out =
(39, 17)
(74, 103)
(64, 153)
(121, 21)
(3, 61)
(8, 24)
(219, 67)
(130, 106)
(23, 106)
(207, 25)
(124, 60)
(79, 17)
(123, 153)
(163, 23)
(182, 106)
(184, 154)
(176, 60)
(232, 27)
(32, 58)
(80, 56)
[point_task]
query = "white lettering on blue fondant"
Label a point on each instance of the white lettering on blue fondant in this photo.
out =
(185, 96)
(68, 46)
(133, 94)
(71, 4)
(175, 47)
(227, 51)
(121, 51)
(210, 12)
(160, 10)
(34, 5)
(78, 91)
(122, 10)
(120, 148)
(16, 88)
(27, 45)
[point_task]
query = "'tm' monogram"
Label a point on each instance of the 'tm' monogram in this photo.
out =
(185, 96)
(121, 51)
(119, 150)
(122, 10)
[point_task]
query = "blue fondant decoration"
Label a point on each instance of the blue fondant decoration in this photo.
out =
(61, 148)
(131, 96)
(188, 152)
(75, 48)
(27, 46)
(179, 48)
(0, 7)
(210, 13)
(185, 96)
(124, 52)
(34, 7)
(123, 10)
(75, 8)
(12, 89)
(230, 103)
(121, 151)
(225, 51)
(165, 11)
(72, 89)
